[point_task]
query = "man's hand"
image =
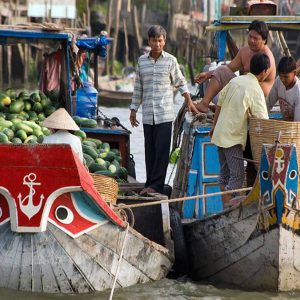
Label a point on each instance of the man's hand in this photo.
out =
(201, 77)
(192, 108)
(190, 105)
(133, 121)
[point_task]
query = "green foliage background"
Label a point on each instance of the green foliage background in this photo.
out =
(155, 5)
(81, 7)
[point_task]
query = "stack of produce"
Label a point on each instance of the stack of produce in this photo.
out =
(21, 120)
(21, 116)
(98, 156)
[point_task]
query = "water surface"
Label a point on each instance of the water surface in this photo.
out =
(161, 290)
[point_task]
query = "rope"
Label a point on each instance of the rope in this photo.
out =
(186, 198)
(119, 263)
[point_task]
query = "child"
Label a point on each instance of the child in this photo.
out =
(240, 96)
(286, 90)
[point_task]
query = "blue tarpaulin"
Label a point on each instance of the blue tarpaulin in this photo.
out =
(94, 43)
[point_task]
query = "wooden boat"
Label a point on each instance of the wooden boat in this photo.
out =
(58, 235)
(115, 91)
(256, 243)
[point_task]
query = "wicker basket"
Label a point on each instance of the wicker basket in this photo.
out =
(107, 187)
(266, 132)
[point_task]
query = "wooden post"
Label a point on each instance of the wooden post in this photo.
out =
(283, 43)
(126, 43)
(136, 30)
(170, 19)
(143, 14)
(191, 61)
(108, 29)
(17, 11)
(88, 13)
(9, 74)
(21, 52)
(84, 19)
(26, 64)
(1, 67)
(128, 6)
(208, 44)
(187, 48)
(116, 33)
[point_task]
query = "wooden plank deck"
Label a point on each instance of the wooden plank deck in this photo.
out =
(53, 262)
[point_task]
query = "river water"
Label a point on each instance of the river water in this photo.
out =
(180, 289)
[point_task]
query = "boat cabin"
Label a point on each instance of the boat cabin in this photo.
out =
(198, 167)
(44, 58)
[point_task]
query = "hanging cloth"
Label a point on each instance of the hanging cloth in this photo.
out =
(51, 71)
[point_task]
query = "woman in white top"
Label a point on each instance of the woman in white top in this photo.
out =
(62, 123)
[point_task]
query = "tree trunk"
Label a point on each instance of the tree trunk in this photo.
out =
(9, 69)
(136, 30)
(108, 29)
(26, 64)
(126, 43)
(88, 13)
(116, 32)
(1, 67)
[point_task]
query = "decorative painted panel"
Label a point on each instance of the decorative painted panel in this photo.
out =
(203, 177)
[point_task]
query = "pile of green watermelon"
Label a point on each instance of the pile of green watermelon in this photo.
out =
(100, 158)
(21, 118)
(22, 114)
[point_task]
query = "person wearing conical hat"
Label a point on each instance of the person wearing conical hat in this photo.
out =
(61, 122)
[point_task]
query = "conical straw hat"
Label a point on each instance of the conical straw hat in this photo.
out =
(60, 119)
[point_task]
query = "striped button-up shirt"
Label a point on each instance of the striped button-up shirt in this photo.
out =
(154, 85)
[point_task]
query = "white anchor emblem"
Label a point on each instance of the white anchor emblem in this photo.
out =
(279, 161)
(30, 209)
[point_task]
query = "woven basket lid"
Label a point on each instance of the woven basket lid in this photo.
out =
(60, 119)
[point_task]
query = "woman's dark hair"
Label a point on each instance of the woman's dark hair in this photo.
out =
(286, 65)
(261, 28)
(156, 31)
(259, 62)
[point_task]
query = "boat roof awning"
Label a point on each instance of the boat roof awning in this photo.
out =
(242, 22)
(53, 38)
(10, 37)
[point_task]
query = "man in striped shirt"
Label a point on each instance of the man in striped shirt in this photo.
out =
(157, 74)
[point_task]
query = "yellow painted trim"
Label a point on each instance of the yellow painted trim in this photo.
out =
(212, 28)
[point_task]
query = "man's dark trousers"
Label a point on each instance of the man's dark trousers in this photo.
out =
(157, 150)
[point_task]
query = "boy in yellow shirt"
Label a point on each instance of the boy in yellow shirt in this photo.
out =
(241, 96)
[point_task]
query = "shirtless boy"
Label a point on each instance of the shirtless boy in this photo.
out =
(257, 43)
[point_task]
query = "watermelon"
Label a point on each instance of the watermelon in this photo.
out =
(88, 123)
(81, 134)
(16, 106)
(3, 138)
